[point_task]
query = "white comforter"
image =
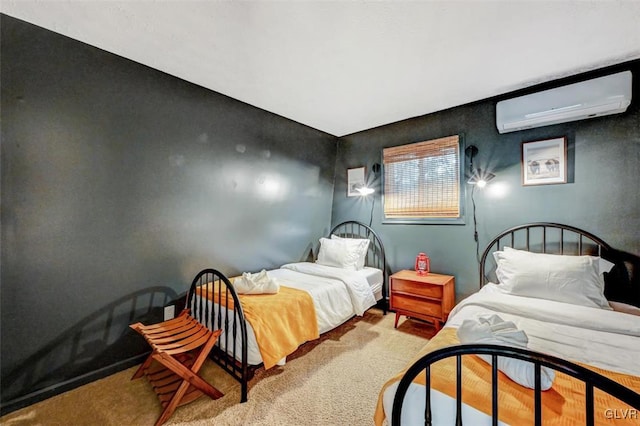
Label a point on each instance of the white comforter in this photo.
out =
(360, 292)
(599, 337)
(337, 295)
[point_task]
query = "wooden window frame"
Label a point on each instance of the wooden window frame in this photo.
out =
(429, 149)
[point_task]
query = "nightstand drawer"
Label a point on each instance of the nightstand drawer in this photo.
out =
(427, 297)
(417, 288)
(417, 305)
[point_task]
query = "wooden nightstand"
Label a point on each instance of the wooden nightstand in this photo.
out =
(427, 297)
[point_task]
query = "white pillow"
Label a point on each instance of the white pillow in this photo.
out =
(571, 279)
(361, 245)
(338, 254)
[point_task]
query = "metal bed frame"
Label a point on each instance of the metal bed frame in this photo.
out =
(621, 283)
(543, 237)
(226, 312)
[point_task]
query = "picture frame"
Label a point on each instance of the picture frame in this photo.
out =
(355, 180)
(544, 162)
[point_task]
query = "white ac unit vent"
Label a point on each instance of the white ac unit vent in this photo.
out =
(587, 99)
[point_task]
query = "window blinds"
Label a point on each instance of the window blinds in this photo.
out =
(422, 180)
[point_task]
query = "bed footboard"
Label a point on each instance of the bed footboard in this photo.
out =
(591, 380)
(214, 303)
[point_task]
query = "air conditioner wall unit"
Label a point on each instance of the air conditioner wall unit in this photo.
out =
(600, 96)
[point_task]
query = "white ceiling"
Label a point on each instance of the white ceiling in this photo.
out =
(347, 66)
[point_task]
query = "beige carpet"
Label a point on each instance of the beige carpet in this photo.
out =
(332, 381)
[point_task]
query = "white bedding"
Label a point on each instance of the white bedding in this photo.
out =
(375, 278)
(599, 337)
(356, 284)
(337, 295)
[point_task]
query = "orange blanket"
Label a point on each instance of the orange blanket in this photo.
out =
(563, 404)
(281, 322)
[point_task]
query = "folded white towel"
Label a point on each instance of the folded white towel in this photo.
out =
(259, 283)
(494, 330)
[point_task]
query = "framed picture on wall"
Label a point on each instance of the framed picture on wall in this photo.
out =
(544, 161)
(355, 180)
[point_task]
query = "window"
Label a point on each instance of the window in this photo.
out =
(422, 182)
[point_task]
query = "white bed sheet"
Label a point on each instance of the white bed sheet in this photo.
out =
(375, 278)
(334, 300)
(599, 337)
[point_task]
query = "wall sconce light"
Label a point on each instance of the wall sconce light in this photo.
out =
(480, 177)
(477, 176)
(367, 187)
(364, 189)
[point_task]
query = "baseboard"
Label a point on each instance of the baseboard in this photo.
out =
(67, 385)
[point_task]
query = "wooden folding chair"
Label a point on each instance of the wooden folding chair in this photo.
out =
(180, 347)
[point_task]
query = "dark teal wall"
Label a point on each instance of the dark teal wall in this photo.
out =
(119, 183)
(602, 196)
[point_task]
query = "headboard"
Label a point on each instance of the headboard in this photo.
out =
(554, 238)
(375, 255)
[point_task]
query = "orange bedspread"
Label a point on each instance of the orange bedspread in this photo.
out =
(563, 404)
(281, 322)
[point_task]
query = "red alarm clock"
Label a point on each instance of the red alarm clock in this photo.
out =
(422, 264)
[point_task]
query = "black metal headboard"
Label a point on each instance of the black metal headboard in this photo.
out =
(375, 255)
(554, 238)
